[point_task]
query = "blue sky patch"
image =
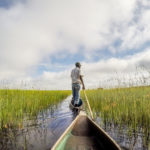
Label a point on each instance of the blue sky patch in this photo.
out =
(63, 60)
(8, 3)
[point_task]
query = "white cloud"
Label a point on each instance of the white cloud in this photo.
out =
(113, 69)
(36, 29)
(104, 73)
(137, 33)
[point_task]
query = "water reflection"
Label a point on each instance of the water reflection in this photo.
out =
(128, 140)
(40, 132)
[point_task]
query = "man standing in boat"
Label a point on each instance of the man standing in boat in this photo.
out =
(77, 80)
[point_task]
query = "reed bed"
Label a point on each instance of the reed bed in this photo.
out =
(125, 107)
(16, 105)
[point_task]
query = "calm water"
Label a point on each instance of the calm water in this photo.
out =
(43, 131)
(132, 142)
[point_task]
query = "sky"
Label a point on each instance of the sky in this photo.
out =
(40, 41)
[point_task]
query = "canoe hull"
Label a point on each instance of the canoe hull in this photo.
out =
(83, 133)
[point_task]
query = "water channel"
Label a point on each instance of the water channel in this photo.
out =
(43, 131)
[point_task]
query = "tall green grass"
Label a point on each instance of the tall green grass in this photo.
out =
(15, 105)
(124, 107)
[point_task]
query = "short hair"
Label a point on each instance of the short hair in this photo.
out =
(77, 64)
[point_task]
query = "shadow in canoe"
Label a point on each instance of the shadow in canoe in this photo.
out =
(84, 133)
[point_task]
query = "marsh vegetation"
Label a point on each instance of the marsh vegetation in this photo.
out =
(17, 106)
(128, 109)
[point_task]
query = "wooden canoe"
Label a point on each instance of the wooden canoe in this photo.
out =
(84, 134)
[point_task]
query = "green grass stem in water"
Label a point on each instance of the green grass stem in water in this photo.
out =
(129, 107)
(15, 105)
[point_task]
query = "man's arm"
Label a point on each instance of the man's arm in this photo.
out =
(83, 86)
(71, 74)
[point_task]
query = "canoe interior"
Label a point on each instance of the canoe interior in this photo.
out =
(86, 136)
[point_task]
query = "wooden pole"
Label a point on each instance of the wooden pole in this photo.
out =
(91, 113)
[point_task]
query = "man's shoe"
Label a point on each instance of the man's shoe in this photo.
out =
(76, 105)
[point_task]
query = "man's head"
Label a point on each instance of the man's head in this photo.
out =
(77, 64)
